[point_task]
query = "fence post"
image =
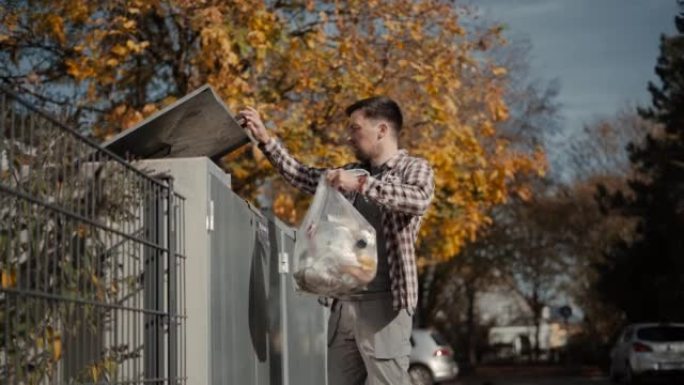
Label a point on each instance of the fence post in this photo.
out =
(154, 287)
(172, 310)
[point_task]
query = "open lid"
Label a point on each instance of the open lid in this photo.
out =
(199, 124)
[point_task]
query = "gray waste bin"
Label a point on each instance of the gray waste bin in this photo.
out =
(246, 324)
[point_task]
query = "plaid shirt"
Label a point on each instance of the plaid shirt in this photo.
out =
(403, 190)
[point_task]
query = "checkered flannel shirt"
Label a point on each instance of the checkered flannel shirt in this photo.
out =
(403, 190)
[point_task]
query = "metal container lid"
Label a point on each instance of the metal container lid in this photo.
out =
(199, 124)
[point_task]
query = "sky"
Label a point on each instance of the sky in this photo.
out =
(603, 52)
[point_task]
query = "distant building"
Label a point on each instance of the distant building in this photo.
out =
(512, 334)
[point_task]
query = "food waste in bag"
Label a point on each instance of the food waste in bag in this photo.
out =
(335, 248)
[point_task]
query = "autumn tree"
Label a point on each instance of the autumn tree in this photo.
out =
(533, 116)
(452, 304)
(301, 62)
(598, 160)
(103, 67)
(454, 288)
(556, 240)
(526, 252)
(549, 245)
(600, 148)
(535, 112)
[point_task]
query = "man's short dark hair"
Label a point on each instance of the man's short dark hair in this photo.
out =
(379, 107)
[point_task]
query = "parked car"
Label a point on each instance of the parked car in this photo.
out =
(432, 359)
(648, 349)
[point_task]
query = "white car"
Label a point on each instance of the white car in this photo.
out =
(648, 349)
(432, 359)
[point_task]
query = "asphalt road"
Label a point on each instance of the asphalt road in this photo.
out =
(531, 376)
(540, 380)
(513, 375)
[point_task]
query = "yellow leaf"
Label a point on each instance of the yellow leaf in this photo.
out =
(131, 118)
(133, 46)
(119, 110)
(9, 279)
(479, 178)
(488, 128)
(258, 37)
(112, 62)
(119, 50)
(114, 288)
(500, 112)
(40, 342)
(72, 68)
(310, 43)
(56, 24)
(524, 193)
(94, 372)
(499, 71)
(168, 100)
(149, 109)
(78, 11)
(57, 347)
(110, 366)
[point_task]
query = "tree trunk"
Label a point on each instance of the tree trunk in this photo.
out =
(471, 347)
(426, 285)
(537, 310)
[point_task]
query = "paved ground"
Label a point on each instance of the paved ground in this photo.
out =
(532, 376)
(517, 375)
(543, 380)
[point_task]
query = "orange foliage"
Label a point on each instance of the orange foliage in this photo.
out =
(301, 63)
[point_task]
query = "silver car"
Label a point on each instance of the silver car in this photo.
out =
(432, 359)
(648, 349)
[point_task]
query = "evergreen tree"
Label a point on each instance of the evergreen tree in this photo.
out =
(645, 276)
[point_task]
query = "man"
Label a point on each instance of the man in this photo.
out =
(369, 332)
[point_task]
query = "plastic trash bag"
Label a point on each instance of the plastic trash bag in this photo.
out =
(335, 249)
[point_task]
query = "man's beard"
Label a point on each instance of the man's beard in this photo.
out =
(360, 155)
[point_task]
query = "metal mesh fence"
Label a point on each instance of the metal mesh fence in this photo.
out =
(92, 261)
